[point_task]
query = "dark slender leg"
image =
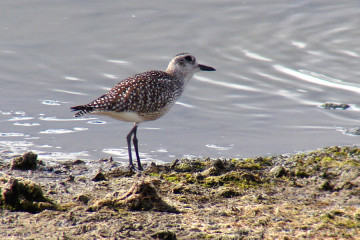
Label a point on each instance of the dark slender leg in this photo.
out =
(128, 139)
(135, 142)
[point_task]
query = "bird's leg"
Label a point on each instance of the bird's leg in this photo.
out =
(135, 142)
(128, 139)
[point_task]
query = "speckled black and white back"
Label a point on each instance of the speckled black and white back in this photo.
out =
(146, 96)
(149, 94)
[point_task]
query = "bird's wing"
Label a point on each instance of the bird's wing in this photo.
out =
(144, 92)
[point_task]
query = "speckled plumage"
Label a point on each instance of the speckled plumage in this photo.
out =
(149, 94)
(145, 96)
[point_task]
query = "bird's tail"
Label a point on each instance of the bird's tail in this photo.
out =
(82, 110)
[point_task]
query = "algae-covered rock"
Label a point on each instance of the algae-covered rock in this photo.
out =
(216, 168)
(277, 171)
(83, 198)
(229, 192)
(18, 194)
(99, 176)
(28, 161)
(187, 165)
(211, 171)
(326, 186)
(142, 196)
(343, 106)
(164, 235)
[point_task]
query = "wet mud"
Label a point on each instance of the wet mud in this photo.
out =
(313, 195)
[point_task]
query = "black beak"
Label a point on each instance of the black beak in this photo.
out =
(206, 68)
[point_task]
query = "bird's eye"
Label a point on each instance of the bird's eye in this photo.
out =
(188, 58)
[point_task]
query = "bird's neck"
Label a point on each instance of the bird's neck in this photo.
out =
(179, 75)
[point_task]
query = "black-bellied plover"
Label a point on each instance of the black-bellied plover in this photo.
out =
(145, 96)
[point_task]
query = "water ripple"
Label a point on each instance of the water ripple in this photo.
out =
(55, 119)
(111, 76)
(96, 122)
(123, 154)
(185, 104)
(56, 131)
(51, 102)
(27, 124)
(298, 44)
(20, 118)
(256, 56)
(10, 148)
(220, 148)
(69, 92)
(226, 84)
(80, 128)
(317, 78)
(117, 61)
(11, 134)
(61, 156)
(70, 78)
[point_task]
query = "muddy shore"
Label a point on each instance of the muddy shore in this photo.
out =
(313, 195)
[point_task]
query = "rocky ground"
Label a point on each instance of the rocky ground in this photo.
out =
(313, 195)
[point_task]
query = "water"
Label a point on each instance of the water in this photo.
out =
(277, 62)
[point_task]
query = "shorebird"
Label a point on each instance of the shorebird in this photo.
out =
(145, 96)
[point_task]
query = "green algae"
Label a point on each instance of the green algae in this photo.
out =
(27, 161)
(196, 165)
(253, 163)
(237, 179)
(340, 219)
(213, 174)
(331, 160)
(18, 194)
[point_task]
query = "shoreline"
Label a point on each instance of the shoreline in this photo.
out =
(312, 195)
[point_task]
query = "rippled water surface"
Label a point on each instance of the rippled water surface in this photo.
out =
(277, 62)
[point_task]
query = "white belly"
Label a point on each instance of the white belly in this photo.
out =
(122, 116)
